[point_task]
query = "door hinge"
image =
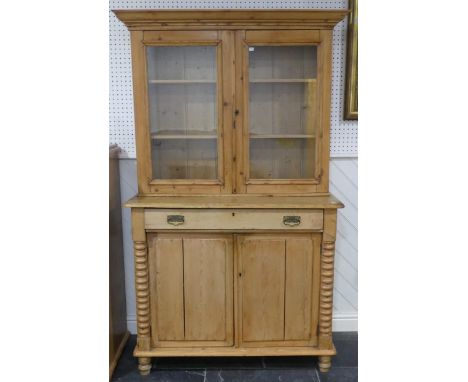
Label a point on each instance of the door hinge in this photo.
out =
(320, 174)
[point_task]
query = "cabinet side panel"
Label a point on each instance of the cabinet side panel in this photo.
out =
(298, 291)
(166, 283)
(117, 303)
(263, 274)
(205, 289)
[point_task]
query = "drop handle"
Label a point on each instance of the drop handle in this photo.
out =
(291, 220)
(175, 219)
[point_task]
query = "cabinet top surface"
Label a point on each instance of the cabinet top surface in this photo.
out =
(234, 201)
(318, 18)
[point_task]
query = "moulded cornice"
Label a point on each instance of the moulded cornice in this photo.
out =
(230, 18)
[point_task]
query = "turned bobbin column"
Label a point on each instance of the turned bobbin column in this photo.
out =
(142, 293)
(140, 252)
(326, 287)
(326, 294)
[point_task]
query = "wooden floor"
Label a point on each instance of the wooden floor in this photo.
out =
(240, 369)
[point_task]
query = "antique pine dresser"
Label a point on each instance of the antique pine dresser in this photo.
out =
(233, 225)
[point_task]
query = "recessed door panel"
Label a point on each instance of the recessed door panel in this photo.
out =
(166, 282)
(205, 265)
(191, 285)
(278, 294)
(298, 288)
(263, 264)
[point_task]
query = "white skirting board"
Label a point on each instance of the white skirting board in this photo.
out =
(341, 323)
(345, 322)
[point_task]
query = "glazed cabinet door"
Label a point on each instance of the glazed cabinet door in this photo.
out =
(191, 287)
(281, 94)
(278, 289)
(182, 85)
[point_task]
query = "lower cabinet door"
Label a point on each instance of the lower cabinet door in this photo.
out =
(278, 289)
(191, 286)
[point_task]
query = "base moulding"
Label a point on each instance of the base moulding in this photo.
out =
(233, 352)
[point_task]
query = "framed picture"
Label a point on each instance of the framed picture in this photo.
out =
(351, 90)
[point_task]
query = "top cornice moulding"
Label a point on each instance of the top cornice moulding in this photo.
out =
(231, 18)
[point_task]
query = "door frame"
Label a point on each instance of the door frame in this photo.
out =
(323, 40)
(229, 291)
(315, 289)
(224, 41)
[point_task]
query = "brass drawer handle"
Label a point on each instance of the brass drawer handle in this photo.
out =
(291, 220)
(175, 219)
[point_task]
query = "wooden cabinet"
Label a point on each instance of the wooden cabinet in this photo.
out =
(233, 224)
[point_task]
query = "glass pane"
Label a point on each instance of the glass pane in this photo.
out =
(282, 111)
(183, 111)
(184, 159)
(282, 158)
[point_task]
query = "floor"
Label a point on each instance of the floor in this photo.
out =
(240, 369)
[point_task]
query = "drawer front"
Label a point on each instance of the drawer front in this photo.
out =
(233, 219)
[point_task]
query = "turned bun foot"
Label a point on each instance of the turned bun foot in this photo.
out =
(144, 365)
(324, 363)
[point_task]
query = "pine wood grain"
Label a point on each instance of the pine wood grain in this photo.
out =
(229, 18)
(191, 284)
(167, 287)
(273, 351)
(233, 219)
(263, 277)
(235, 201)
(298, 288)
(206, 267)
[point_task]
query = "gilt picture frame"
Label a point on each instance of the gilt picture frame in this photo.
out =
(351, 87)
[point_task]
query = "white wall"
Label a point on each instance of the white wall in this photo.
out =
(343, 184)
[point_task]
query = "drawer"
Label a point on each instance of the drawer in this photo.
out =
(233, 219)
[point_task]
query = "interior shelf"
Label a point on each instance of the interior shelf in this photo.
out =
(182, 81)
(182, 136)
(214, 136)
(254, 81)
(261, 80)
(283, 80)
(281, 136)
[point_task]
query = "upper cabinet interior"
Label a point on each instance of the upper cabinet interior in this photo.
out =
(232, 101)
(183, 112)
